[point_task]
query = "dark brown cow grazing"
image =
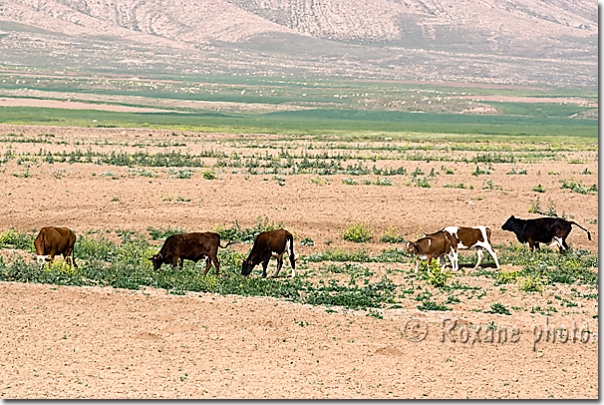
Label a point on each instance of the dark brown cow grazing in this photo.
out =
(190, 246)
(544, 230)
(266, 245)
(437, 245)
(52, 241)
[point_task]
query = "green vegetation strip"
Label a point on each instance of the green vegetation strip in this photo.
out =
(310, 122)
(126, 264)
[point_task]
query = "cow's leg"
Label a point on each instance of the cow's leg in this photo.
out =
(416, 265)
(443, 262)
(429, 262)
(208, 265)
(279, 265)
(73, 259)
(216, 265)
(493, 255)
(454, 259)
(265, 265)
(51, 257)
(562, 246)
(68, 257)
(479, 257)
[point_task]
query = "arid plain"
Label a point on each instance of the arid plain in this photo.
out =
(104, 342)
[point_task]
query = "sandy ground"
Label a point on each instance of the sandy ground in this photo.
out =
(67, 342)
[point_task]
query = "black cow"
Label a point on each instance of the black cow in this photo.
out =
(542, 230)
(190, 246)
(269, 244)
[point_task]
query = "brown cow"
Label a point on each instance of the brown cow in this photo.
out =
(269, 244)
(52, 241)
(437, 245)
(192, 246)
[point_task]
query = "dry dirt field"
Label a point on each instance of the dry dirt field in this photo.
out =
(92, 342)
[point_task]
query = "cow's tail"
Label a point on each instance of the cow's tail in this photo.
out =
(289, 240)
(227, 245)
(588, 234)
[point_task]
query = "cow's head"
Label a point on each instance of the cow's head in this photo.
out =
(157, 260)
(411, 248)
(246, 267)
(509, 224)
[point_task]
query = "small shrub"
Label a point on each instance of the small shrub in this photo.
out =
(320, 181)
(307, 242)
(422, 182)
(577, 187)
(506, 277)
(456, 185)
(209, 174)
(530, 283)
(183, 174)
(535, 207)
(437, 276)
(383, 182)
(538, 189)
(357, 232)
(16, 240)
(349, 181)
(498, 308)
(428, 305)
(391, 236)
(480, 171)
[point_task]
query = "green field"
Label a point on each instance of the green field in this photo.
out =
(310, 122)
(299, 106)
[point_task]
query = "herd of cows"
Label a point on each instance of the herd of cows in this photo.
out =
(196, 246)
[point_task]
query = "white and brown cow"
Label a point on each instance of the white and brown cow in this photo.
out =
(478, 237)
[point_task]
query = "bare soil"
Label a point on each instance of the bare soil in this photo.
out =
(68, 342)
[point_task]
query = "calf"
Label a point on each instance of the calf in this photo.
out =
(478, 237)
(437, 244)
(542, 230)
(52, 241)
(190, 246)
(268, 244)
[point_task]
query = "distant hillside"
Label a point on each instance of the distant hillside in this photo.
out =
(544, 42)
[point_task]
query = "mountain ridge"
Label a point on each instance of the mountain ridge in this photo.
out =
(397, 39)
